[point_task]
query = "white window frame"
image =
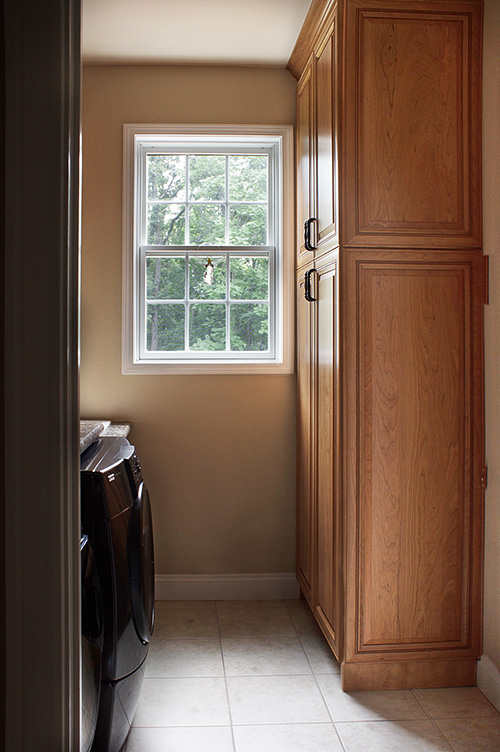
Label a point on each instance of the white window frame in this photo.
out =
(135, 360)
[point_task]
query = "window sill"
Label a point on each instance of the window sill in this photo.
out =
(214, 368)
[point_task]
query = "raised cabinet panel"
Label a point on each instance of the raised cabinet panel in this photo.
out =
(326, 180)
(326, 594)
(414, 458)
(305, 156)
(412, 136)
(416, 506)
(305, 426)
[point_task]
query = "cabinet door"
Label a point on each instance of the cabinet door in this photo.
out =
(412, 128)
(326, 157)
(305, 160)
(327, 593)
(414, 450)
(305, 448)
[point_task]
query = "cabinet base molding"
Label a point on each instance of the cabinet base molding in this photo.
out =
(408, 674)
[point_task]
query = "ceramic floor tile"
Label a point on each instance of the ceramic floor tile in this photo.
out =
(304, 621)
(184, 658)
(455, 702)
(275, 704)
(320, 655)
(264, 656)
(390, 736)
(247, 621)
(310, 737)
(368, 706)
(183, 702)
(472, 734)
(186, 619)
(187, 739)
(275, 699)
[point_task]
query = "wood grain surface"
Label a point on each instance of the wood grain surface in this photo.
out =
(414, 452)
(305, 156)
(305, 448)
(326, 142)
(328, 559)
(303, 45)
(412, 139)
(414, 456)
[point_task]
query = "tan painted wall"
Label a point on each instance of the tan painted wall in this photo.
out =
(491, 146)
(218, 452)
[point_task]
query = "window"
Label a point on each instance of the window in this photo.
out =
(208, 271)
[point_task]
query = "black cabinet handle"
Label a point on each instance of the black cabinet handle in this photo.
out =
(307, 286)
(307, 241)
(307, 234)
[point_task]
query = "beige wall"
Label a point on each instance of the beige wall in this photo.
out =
(218, 452)
(491, 146)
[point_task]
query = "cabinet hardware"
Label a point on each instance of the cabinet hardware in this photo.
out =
(307, 286)
(307, 234)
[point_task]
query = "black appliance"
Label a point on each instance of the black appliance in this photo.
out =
(116, 516)
(91, 644)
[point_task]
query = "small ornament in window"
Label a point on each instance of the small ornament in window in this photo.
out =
(208, 273)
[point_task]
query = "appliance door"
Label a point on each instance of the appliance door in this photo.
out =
(141, 565)
(91, 645)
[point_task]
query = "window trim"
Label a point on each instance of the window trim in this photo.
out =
(284, 360)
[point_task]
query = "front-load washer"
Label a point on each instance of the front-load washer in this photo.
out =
(116, 516)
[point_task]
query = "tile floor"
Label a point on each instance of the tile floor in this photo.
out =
(246, 676)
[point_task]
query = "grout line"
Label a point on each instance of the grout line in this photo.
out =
(288, 723)
(300, 636)
(178, 725)
(292, 620)
(225, 677)
(433, 721)
(328, 710)
(339, 737)
(316, 680)
(420, 704)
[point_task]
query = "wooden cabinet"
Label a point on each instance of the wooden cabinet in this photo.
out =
(319, 524)
(305, 161)
(390, 361)
(328, 546)
(412, 149)
(413, 429)
(305, 444)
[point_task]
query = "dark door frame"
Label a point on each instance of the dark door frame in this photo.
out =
(40, 370)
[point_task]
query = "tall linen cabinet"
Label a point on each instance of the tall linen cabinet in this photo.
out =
(391, 283)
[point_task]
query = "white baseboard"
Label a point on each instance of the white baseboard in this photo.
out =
(488, 680)
(223, 587)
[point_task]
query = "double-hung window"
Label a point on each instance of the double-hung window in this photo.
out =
(207, 249)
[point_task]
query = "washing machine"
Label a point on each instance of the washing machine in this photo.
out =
(116, 516)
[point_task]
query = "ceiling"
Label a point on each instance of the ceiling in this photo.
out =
(203, 32)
